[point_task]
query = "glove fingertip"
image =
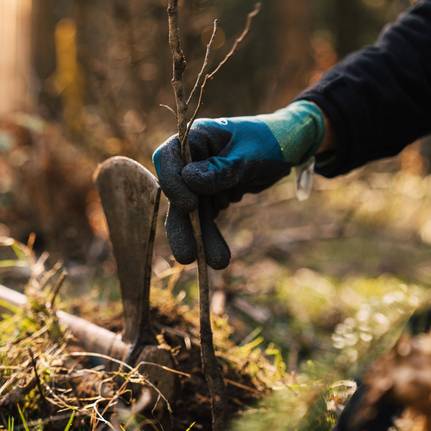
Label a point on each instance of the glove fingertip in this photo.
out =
(180, 236)
(217, 251)
(218, 257)
(183, 258)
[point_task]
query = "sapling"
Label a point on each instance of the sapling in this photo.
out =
(211, 369)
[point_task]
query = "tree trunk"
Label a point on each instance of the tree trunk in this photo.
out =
(15, 16)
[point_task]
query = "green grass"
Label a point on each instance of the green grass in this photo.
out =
(23, 419)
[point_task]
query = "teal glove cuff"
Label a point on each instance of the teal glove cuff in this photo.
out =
(299, 130)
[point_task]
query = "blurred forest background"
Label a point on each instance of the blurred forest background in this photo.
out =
(82, 80)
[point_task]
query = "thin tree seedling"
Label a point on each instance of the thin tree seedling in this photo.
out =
(211, 369)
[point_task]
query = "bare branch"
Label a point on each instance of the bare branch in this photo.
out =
(169, 109)
(204, 64)
(239, 40)
(57, 288)
(198, 106)
(228, 56)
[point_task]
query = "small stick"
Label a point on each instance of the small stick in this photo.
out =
(36, 376)
(162, 105)
(57, 288)
(205, 62)
(228, 56)
(239, 40)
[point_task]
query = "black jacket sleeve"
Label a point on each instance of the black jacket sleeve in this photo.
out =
(378, 100)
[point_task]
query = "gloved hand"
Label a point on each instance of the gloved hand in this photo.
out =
(231, 157)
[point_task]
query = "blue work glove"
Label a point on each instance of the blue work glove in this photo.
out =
(231, 157)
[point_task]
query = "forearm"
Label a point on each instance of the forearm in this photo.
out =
(377, 101)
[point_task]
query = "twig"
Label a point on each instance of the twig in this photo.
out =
(211, 369)
(243, 387)
(238, 41)
(169, 109)
(36, 376)
(56, 289)
(204, 64)
(49, 275)
(227, 57)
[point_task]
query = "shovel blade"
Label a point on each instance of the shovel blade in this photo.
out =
(130, 197)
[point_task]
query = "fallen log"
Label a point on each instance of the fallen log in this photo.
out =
(91, 337)
(95, 339)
